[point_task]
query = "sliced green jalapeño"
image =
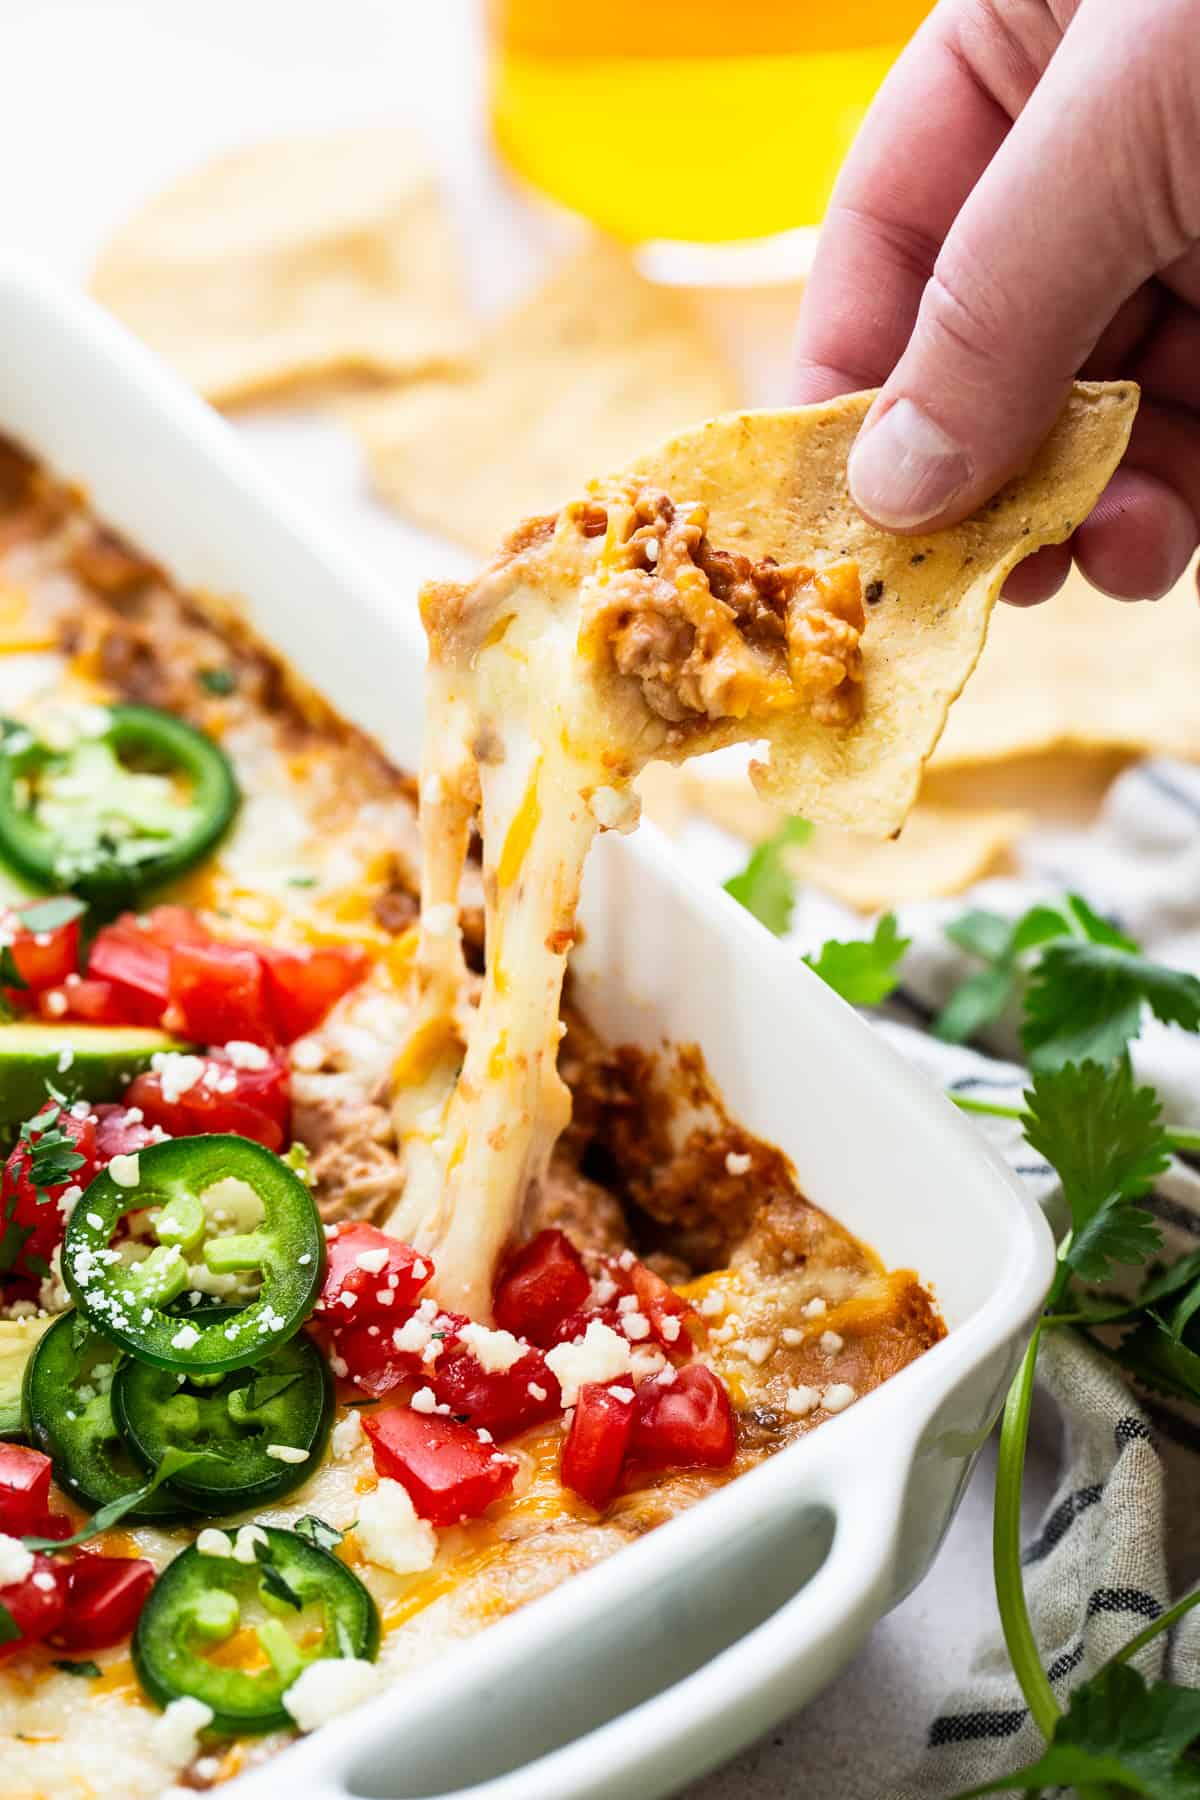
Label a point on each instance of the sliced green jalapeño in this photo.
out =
(127, 799)
(215, 1205)
(264, 1427)
(300, 1602)
(67, 1406)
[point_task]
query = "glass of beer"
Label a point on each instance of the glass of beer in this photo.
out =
(698, 121)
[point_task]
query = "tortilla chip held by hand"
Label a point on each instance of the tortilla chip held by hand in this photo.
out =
(773, 485)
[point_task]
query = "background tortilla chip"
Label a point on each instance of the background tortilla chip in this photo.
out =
(291, 261)
(1083, 672)
(775, 483)
(596, 364)
(942, 849)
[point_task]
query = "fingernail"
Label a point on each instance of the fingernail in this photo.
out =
(904, 470)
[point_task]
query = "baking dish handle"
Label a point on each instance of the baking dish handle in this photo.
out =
(612, 1725)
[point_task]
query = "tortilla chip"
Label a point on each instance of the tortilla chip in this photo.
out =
(1060, 788)
(942, 849)
(1090, 674)
(596, 364)
(775, 484)
(291, 261)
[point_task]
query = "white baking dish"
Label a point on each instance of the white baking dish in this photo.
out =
(646, 1670)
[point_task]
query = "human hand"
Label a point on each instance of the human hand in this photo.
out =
(1022, 206)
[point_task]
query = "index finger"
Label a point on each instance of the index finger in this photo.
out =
(932, 130)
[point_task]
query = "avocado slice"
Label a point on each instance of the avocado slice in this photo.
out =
(17, 1340)
(83, 1062)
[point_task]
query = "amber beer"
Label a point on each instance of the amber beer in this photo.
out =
(702, 120)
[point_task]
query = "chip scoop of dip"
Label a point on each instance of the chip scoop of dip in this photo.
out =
(723, 589)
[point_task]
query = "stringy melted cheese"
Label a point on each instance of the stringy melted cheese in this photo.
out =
(601, 638)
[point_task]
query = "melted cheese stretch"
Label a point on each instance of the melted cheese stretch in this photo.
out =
(532, 725)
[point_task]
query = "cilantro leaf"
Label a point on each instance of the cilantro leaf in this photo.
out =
(1105, 1138)
(1122, 1732)
(53, 1154)
(765, 886)
(85, 1670)
(1000, 944)
(217, 681)
(1160, 1361)
(1082, 922)
(325, 1537)
(173, 1462)
(260, 1390)
(10, 1631)
(981, 933)
(863, 971)
(982, 997)
(274, 1582)
(976, 1002)
(1085, 1002)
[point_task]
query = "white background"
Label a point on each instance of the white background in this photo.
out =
(103, 100)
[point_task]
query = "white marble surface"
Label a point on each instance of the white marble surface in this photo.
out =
(102, 101)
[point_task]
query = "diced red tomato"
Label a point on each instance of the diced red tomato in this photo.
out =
(449, 1473)
(371, 1362)
(35, 1604)
(503, 1402)
(685, 1422)
(39, 1222)
(42, 958)
(24, 1490)
(166, 967)
(105, 1594)
(253, 1103)
(80, 997)
(363, 1264)
(171, 925)
(57, 1526)
(674, 1322)
(594, 1453)
(136, 967)
(217, 992)
(303, 985)
(368, 1347)
(539, 1285)
(576, 1323)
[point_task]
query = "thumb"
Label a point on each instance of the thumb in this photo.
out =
(1085, 200)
